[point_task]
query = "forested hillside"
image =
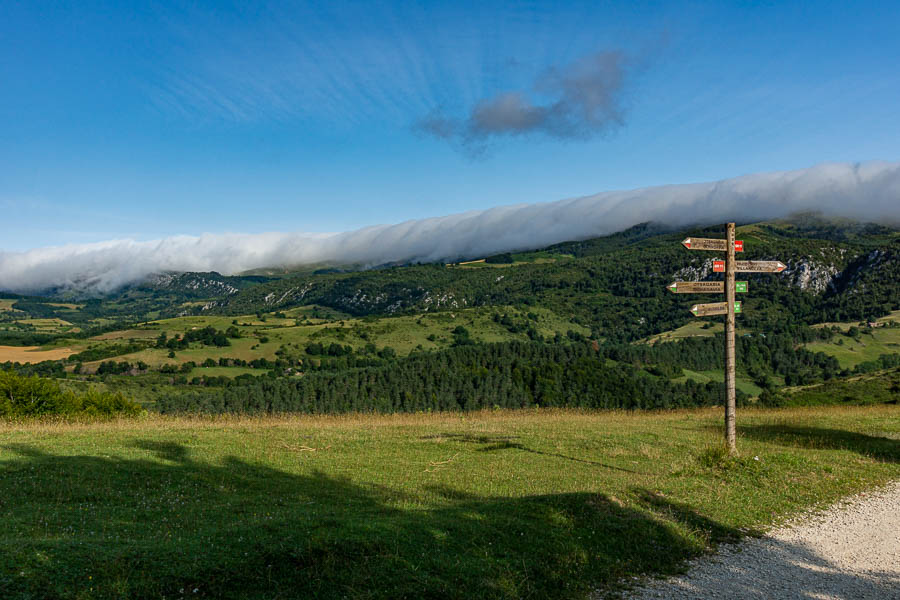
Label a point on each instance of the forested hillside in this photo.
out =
(616, 285)
(588, 323)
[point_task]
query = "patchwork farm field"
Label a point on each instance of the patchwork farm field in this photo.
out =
(543, 504)
(32, 354)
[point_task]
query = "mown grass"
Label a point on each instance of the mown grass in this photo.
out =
(539, 504)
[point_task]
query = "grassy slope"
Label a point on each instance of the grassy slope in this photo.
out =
(872, 342)
(870, 346)
(849, 353)
(696, 328)
(740, 382)
(490, 505)
(878, 387)
(403, 333)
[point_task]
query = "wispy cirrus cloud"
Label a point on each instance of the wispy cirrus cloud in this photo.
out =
(869, 191)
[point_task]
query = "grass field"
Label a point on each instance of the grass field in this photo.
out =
(845, 325)
(486, 505)
(127, 334)
(878, 387)
(693, 329)
(31, 354)
(53, 325)
(403, 333)
(718, 375)
(870, 345)
(224, 371)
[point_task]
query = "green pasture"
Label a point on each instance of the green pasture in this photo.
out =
(402, 333)
(224, 372)
(127, 335)
(485, 505)
(879, 387)
(718, 375)
(701, 328)
(845, 325)
(697, 328)
(870, 344)
(519, 261)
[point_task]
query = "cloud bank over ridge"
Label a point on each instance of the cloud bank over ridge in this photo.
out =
(863, 191)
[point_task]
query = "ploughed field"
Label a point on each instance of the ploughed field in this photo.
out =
(545, 504)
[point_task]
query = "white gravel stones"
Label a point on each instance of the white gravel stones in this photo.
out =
(851, 550)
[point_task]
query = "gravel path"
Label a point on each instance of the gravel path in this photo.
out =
(851, 550)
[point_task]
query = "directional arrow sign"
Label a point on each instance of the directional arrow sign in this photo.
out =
(714, 308)
(705, 287)
(752, 266)
(711, 244)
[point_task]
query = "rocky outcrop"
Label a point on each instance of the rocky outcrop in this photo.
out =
(810, 275)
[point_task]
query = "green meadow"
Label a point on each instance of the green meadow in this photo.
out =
(740, 382)
(867, 346)
(530, 504)
(299, 327)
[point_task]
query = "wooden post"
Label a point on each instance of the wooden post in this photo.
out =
(730, 434)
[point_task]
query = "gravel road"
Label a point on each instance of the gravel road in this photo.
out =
(851, 550)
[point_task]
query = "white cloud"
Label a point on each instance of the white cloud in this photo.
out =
(867, 191)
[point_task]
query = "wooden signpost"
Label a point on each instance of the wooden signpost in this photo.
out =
(729, 308)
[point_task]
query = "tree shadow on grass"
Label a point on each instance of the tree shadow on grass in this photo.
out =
(160, 524)
(492, 443)
(880, 448)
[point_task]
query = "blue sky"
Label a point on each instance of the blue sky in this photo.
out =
(149, 121)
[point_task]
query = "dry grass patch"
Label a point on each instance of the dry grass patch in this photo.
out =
(32, 354)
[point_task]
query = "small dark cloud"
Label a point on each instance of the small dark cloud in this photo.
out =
(437, 124)
(577, 101)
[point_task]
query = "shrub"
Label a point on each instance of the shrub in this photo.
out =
(36, 397)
